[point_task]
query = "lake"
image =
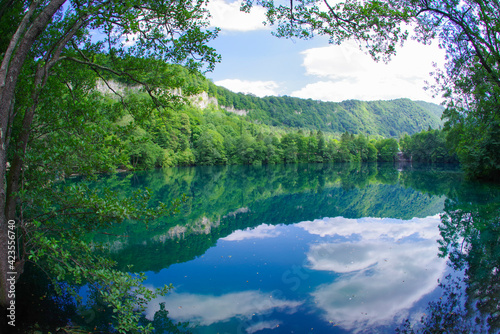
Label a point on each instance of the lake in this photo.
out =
(315, 248)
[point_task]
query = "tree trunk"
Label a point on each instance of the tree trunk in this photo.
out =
(11, 68)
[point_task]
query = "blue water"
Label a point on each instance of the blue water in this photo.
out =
(328, 275)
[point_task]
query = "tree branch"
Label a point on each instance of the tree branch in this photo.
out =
(118, 73)
(471, 38)
(13, 43)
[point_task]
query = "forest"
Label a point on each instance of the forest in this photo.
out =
(384, 118)
(270, 131)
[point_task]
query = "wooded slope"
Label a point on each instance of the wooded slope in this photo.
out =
(384, 118)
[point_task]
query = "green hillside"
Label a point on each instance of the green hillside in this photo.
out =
(384, 118)
(219, 127)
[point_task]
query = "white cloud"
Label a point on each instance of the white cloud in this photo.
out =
(208, 309)
(389, 266)
(345, 72)
(259, 88)
(260, 232)
(228, 16)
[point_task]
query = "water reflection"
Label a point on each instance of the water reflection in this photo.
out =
(470, 238)
(376, 272)
(252, 252)
(224, 199)
(370, 266)
(205, 310)
(259, 232)
(388, 266)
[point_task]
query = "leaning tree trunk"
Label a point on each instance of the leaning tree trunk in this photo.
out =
(14, 57)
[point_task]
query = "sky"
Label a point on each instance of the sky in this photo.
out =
(254, 61)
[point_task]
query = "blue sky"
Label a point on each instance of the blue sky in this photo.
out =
(254, 61)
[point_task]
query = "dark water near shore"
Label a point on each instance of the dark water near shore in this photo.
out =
(312, 249)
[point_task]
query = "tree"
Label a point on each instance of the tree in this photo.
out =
(387, 149)
(246, 148)
(41, 105)
(273, 152)
(427, 146)
(289, 148)
(321, 146)
(372, 153)
(468, 31)
(210, 148)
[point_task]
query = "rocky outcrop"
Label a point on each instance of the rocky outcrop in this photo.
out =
(113, 87)
(235, 111)
(203, 101)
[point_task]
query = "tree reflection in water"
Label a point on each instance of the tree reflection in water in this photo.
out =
(470, 231)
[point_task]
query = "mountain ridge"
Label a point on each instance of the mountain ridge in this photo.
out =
(387, 118)
(384, 118)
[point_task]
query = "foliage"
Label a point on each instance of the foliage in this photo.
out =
(476, 143)
(141, 135)
(467, 30)
(55, 122)
(387, 149)
(53, 240)
(427, 146)
(223, 199)
(216, 137)
(384, 118)
(189, 135)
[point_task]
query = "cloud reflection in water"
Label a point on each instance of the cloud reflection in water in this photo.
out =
(208, 309)
(387, 265)
(382, 267)
(259, 232)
